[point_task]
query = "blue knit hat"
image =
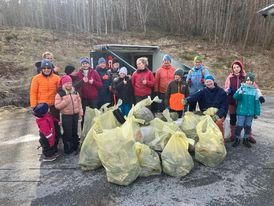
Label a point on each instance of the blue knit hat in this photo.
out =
(167, 58)
(40, 110)
(84, 59)
(46, 63)
(209, 77)
(101, 60)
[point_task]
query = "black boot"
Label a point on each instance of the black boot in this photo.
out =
(236, 142)
(246, 143)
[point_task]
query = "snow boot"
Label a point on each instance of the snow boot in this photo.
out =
(236, 142)
(246, 143)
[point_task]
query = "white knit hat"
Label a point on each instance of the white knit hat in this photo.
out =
(123, 70)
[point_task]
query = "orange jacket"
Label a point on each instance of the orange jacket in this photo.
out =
(163, 76)
(43, 89)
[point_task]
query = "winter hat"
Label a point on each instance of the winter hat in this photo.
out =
(115, 60)
(198, 59)
(167, 58)
(101, 60)
(40, 110)
(123, 70)
(250, 76)
(84, 59)
(209, 77)
(65, 79)
(46, 63)
(179, 72)
(69, 69)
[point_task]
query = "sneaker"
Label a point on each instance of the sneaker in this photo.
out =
(236, 142)
(51, 158)
(246, 143)
(252, 140)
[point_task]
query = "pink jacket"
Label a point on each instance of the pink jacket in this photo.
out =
(68, 103)
(46, 127)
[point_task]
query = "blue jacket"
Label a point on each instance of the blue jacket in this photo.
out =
(215, 97)
(247, 101)
(194, 78)
(104, 94)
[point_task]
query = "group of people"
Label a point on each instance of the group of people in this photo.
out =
(70, 94)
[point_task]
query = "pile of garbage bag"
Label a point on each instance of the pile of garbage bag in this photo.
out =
(146, 145)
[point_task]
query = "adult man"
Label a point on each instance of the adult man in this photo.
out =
(195, 79)
(43, 90)
(211, 96)
(164, 75)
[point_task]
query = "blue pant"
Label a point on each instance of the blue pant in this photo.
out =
(125, 108)
(243, 122)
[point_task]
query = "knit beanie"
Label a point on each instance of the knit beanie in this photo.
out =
(84, 59)
(69, 69)
(65, 79)
(209, 77)
(46, 63)
(123, 70)
(167, 58)
(179, 72)
(101, 60)
(115, 60)
(198, 59)
(250, 76)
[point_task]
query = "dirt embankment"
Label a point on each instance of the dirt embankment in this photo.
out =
(22, 47)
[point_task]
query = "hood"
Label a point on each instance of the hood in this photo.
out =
(242, 72)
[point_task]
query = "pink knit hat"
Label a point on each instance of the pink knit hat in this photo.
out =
(65, 79)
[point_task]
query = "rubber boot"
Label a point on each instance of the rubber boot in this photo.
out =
(246, 143)
(232, 132)
(236, 142)
(251, 139)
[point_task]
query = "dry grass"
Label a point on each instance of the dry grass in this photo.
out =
(22, 47)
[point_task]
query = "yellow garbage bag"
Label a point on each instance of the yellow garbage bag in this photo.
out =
(176, 159)
(118, 156)
(210, 150)
(131, 128)
(148, 159)
(189, 123)
(161, 133)
(211, 111)
(90, 114)
(88, 157)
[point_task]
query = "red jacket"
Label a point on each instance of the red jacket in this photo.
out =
(46, 127)
(139, 88)
(163, 77)
(87, 90)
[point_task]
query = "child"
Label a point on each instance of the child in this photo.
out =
(177, 90)
(248, 107)
(124, 91)
(68, 101)
(45, 123)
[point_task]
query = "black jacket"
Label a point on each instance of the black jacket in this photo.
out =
(123, 91)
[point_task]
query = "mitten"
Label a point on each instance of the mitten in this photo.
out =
(202, 80)
(262, 99)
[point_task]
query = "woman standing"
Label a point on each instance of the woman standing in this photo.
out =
(142, 80)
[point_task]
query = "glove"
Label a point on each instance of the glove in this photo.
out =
(255, 117)
(167, 107)
(215, 117)
(241, 91)
(202, 81)
(230, 91)
(105, 77)
(184, 101)
(262, 99)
